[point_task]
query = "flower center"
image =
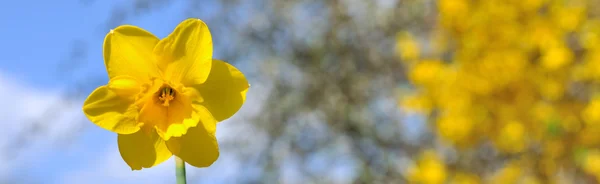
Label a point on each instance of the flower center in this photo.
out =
(166, 95)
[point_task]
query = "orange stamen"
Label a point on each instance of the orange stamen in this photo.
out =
(167, 94)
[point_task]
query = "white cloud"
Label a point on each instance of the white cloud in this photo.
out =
(111, 168)
(28, 127)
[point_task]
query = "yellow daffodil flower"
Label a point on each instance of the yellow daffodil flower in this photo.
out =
(165, 97)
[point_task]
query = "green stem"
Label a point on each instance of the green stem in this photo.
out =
(180, 170)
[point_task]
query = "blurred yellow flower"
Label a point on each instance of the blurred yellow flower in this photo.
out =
(556, 57)
(429, 169)
(588, 36)
(530, 180)
(166, 96)
(408, 47)
(510, 173)
(570, 16)
(591, 114)
(465, 178)
(455, 128)
(522, 75)
(512, 137)
(426, 72)
(417, 103)
(591, 164)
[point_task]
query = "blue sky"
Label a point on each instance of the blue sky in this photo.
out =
(37, 37)
(40, 33)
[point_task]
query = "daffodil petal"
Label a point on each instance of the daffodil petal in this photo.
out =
(224, 91)
(110, 111)
(143, 149)
(128, 51)
(124, 86)
(185, 55)
(154, 114)
(182, 116)
(198, 147)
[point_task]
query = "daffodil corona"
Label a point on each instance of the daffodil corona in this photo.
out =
(165, 97)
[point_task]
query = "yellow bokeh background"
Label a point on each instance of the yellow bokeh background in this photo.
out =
(519, 76)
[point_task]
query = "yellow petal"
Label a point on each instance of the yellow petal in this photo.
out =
(128, 51)
(143, 149)
(154, 114)
(185, 55)
(110, 111)
(224, 91)
(180, 117)
(198, 147)
(124, 86)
